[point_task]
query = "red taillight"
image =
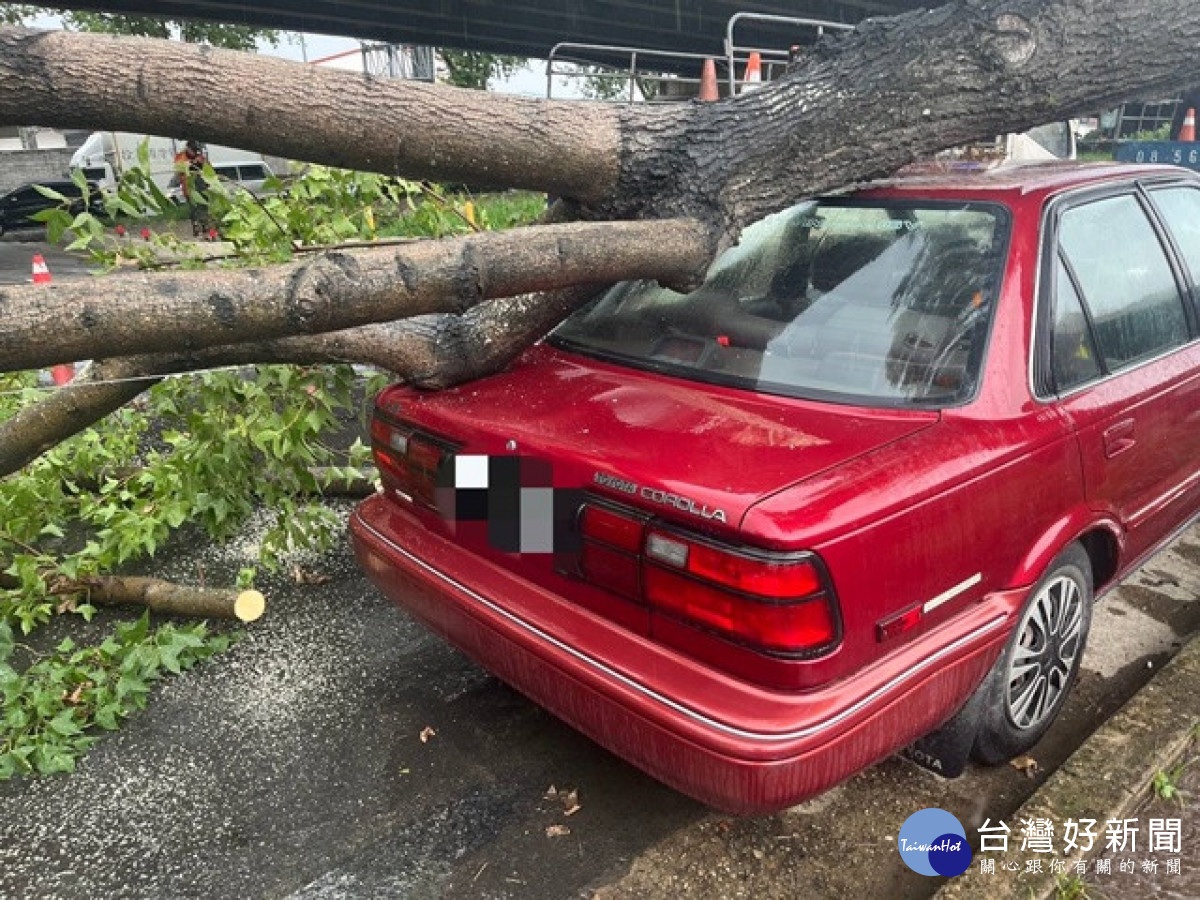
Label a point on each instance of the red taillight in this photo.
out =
(408, 461)
(602, 524)
(611, 544)
(781, 578)
(790, 627)
(778, 603)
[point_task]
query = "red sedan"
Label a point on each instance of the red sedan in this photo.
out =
(856, 493)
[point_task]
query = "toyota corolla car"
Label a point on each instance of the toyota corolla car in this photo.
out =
(857, 493)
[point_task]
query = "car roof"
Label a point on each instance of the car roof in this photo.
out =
(1015, 179)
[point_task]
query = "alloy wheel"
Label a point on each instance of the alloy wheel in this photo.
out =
(1046, 654)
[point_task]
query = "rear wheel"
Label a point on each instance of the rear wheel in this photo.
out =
(1029, 683)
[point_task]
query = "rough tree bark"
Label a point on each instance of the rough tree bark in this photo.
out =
(53, 323)
(860, 106)
(427, 351)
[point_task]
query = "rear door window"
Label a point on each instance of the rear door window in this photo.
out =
(1074, 354)
(1132, 296)
(1180, 207)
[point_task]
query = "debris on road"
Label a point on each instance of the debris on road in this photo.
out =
(1026, 765)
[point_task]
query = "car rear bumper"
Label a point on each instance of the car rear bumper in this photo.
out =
(738, 747)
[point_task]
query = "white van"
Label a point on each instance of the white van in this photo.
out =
(106, 155)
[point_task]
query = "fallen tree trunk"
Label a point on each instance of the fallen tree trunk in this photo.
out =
(857, 106)
(428, 352)
(185, 311)
(156, 594)
(306, 112)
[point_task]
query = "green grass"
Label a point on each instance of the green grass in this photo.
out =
(1070, 887)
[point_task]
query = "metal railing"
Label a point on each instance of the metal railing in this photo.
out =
(637, 56)
(771, 57)
(561, 64)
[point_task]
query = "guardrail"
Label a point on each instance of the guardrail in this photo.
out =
(735, 54)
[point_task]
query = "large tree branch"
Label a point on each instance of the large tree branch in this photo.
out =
(141, 313)
(306, 112)
(899, 89)
(426, 351)
(859, 107)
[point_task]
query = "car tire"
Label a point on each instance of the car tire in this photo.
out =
(1026, 688)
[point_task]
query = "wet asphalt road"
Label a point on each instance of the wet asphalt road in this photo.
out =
(294, 767)
(16, 258)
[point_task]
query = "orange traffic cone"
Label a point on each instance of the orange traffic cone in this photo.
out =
(753, 77)
(708, 81)
(41, 275)
(1187, 131)
(41, 272)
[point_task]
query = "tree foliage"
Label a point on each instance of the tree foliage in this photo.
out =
(473, 69)
(193, 31)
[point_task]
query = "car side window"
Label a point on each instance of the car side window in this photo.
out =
(1127, 283)
(1072, 350)
(1180, 207)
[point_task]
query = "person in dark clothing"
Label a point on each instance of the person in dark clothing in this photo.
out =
(189, 170)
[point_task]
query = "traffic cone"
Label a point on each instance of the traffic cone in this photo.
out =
(41, 272)
(708, 81)
(1187, 131)
(753, 76)
(63, 374)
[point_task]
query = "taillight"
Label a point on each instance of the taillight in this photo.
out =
(408, 461)
(609, 552)
(775, 603)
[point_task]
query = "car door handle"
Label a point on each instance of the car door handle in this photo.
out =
(1118, 438)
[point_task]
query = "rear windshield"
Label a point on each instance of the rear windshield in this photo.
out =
(874, 303)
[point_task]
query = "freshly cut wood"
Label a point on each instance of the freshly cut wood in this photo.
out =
(154, 593)
(169, 597)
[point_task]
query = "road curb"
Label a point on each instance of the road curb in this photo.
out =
(1104, 779)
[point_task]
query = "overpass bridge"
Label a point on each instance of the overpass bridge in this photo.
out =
(523, 27)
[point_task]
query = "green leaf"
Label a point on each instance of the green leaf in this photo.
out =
(64, 724)
(50, 193)
(108, 716)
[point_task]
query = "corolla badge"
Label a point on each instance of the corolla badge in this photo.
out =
(655, 495)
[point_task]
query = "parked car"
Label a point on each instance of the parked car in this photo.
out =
(19, 204)
(858, 490)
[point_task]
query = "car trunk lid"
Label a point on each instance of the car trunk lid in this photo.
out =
(698, 454)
